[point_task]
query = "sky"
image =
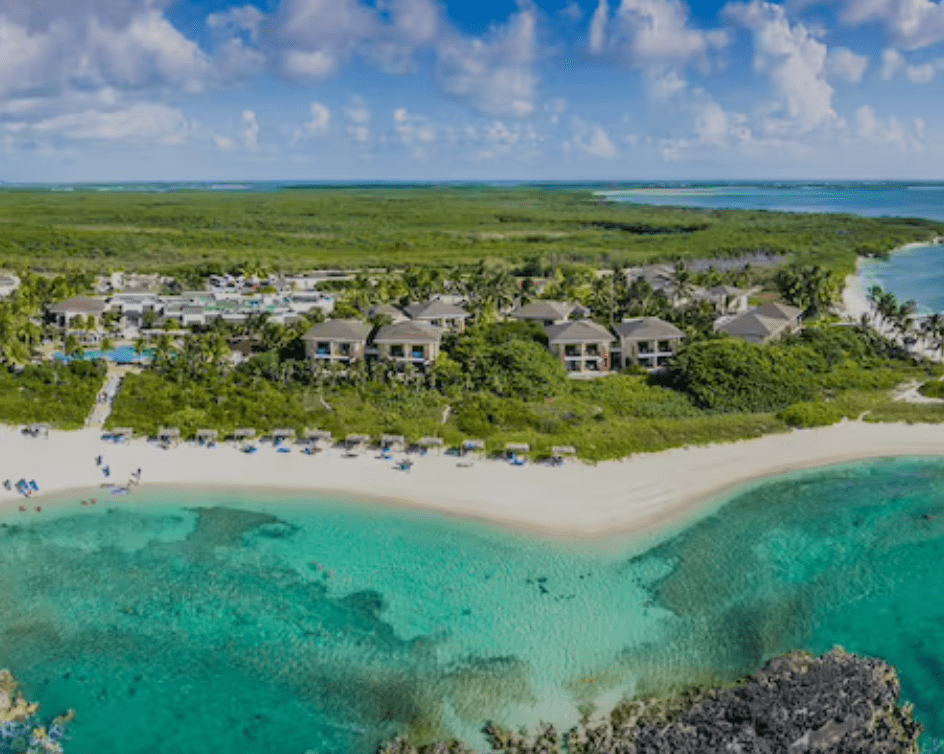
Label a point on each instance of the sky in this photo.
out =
(428, 90)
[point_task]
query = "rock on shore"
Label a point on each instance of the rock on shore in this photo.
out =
(838, 703)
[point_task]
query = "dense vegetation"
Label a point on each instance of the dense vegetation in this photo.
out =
(498, 383)
(59, 394)
(299, 230)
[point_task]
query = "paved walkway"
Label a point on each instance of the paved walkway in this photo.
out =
(103, 404)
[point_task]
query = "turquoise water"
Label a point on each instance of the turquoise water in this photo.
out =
(864, 198)
(192, 623)
(120, 355)
(915, 274)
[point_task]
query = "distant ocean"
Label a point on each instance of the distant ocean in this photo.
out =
(283, 624)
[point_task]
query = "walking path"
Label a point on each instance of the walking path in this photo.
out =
(103, 404)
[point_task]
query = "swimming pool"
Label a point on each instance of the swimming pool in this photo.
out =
(120, 355)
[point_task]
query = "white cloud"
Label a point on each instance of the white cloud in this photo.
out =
(496, 75)
(921, 74)
(911, 24)
(244, 18)
(795, 62)
(892, 62)
(28, 59)
(144, 123)
(572, 11)
(320, 119)
(648, 32)
(716, 127)
(148, 52)
(590, 138)
(598, 24)
(223, 142)
(845, 65)
(358, 119)
(251, 131)
(869, 128)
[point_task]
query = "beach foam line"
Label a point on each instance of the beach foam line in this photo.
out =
(645, 493)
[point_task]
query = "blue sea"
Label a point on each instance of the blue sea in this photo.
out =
(224, 621)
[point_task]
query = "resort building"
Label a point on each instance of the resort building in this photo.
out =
(8, 284)
(414, 343)
(762, 324)
(547, 312)
(727, 299)
(648, 342)
(340, 340)
(386, 310)
(438, 313)
(64, 312)
(583, 346)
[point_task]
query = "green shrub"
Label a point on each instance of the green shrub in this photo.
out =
(810, 415)
(933, 389)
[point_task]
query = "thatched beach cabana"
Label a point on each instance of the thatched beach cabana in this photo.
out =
(517, 447)
(246, 433)
(121, 433)
(431, 442)
(473, 446)
(392, 442)
(286, 433)
(318, 436)
(168, 435)
(356, 443)
(558, 452)
(207, 436)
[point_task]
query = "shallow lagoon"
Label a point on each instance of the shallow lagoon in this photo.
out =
(192, 622)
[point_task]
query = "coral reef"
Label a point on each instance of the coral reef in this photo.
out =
(838, 703)
(21, 731)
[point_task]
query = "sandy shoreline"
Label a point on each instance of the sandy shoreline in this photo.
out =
(645, 493)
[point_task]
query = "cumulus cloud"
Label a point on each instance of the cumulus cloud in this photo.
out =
(910, 24)
(357, 119)
(495, 74)
(892, 62)
(590, 138)
(650, 31)
(869, 128)
(716, 127)
(845, 65)
(320, 119)
(794, 60)
(251, 130)
(223, 142)
(145, 123)
(921, 74)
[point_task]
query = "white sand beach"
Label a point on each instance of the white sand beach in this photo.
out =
(644, 493)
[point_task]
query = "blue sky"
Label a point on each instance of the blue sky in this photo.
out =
(123, 90)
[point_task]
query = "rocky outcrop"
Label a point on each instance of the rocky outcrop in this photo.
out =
(838, 703)
(20, 730)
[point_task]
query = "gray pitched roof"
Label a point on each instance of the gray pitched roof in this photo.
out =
(78, 304)
(752, 324)
(778, 311)
(543, 310)
(387, 309)
(726, 290)
(435, 309)
(647, 328)
(581, 331)
(345, 330)
(409, 333)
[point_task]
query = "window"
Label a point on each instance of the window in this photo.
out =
(324, 348)
(592, 349)
(396, 351)
(645, 346)
(571, 350)
(416, 352)
(572, 366)
(344, 349)
(665, 345)
(646, 362)
(663, 361)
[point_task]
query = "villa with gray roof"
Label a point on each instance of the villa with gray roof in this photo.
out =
(763, 324)
(648, 342)
(410, 342)
(726, 298)
(337, 340)
(438, 313)
(545, 312)
(63, 312)
(584, 347)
